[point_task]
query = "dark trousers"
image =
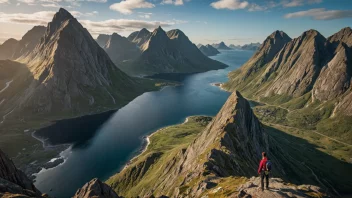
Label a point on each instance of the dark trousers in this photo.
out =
(262, 176)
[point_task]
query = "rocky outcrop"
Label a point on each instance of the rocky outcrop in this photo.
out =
(170, 52)
(95, 189)
(120, 49)
(13, 49)
(208, 50)
(221, 46)
(13, 182)
(102, 39)
(279, 189)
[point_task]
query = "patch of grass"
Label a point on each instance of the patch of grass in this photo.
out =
(297, 103)
(309, 117)
(272, 114)
(337, 127)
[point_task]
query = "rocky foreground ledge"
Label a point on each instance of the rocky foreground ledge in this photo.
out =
(278, 189)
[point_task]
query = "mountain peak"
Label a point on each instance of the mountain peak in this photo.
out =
(158, 31)
(62, 15)
(144, 31)
(279, 34)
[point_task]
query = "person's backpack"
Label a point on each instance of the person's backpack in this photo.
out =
(268, 165)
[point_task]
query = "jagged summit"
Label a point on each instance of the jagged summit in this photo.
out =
(62, 15)
(139, 37)
(159, 32)
(344, 35)
(221, 46)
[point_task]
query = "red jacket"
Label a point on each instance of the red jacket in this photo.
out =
(262, 165)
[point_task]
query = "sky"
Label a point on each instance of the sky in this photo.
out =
(203, 21)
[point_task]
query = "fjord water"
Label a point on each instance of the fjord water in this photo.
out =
(103, 144)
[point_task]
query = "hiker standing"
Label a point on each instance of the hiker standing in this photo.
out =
(264, 170)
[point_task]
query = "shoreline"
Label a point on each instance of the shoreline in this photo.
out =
(219, 85)
(35, 169)
(146, 140)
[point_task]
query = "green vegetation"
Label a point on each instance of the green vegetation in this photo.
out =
(164, 146)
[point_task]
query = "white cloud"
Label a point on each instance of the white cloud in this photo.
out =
(236, 5)
(321, 14)
(4, 1)
(127, 6)
(174, 2)
(230, 4)
(295, 3)
(52, 3)
(145, 15)
(94, 27)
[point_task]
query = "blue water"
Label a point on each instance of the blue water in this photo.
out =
(104, 143)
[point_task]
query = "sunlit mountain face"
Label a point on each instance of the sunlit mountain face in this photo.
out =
(175, 98)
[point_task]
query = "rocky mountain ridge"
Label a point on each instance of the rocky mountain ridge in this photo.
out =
(221, 46)
(167, 52)
(118, 48)
(309, 63)
(208, 50)
(67, 71)
(13, 49)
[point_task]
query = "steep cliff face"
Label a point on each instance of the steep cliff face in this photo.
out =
(170, 52)
(14, 182)
(230, 145)
(69, 72)
(12, 49)
(298, 65)
(335, 78)
(120, 49)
